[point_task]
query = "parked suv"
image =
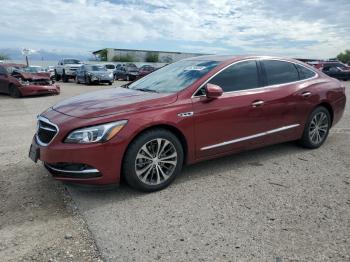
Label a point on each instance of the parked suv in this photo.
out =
(127, 72)
(66, 69)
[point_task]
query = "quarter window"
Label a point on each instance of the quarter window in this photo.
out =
(240, 76)
(304, 73)
(280, 72)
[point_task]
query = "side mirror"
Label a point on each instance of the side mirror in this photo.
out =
(213, 91)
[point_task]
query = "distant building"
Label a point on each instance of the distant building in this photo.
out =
(142, 55)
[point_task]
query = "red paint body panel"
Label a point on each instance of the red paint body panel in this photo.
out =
(214, 121)
(27, 90)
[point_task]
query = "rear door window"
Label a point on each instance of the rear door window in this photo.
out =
(280, 72)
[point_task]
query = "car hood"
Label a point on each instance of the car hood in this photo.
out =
(112, 101)
(34, 76)
(73, 65)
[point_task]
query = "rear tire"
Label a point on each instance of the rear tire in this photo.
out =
(14, 92)
(316, 128)
(153, 160)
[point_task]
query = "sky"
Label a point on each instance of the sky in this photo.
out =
(295, 28)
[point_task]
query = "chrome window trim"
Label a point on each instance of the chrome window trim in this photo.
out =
(280, 129)
(86, 171)
(41, 118)
(258, 88)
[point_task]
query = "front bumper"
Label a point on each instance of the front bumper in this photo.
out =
(102, 162)
(31, 90)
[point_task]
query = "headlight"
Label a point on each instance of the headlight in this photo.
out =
(94, 134)
(24, 82)
(110, 74)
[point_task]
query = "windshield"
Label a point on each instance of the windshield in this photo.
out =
(174, 77)
(131, 67)
(110, 66)
(95, 68)
(71, 61)
(147, 68)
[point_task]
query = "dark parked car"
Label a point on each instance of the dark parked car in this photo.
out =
(145, 70)
(189, 111)
(127, 72)
(16, 80)
(94, 74)
(337, 71)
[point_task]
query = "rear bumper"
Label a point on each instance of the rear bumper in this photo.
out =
(31, 90)
(338, 109)
(101, 79)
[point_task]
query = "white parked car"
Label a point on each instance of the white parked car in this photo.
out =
(110, 68)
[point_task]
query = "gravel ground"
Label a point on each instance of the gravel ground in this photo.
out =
(38, 220)
(280, 203)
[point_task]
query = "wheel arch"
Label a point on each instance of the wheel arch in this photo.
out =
(176, 131)
(329, 107)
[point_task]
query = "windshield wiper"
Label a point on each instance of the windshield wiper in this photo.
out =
(146, 90)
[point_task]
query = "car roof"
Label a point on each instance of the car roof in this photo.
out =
(232, 58)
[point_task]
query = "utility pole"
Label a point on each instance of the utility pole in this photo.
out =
(26, 52)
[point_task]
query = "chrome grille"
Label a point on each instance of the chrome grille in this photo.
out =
(46, 131)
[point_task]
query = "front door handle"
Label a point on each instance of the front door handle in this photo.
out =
(257, 103)
(306, 94)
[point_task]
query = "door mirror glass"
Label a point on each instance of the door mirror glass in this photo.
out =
(213, 91)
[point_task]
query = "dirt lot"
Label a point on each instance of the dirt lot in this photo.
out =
(38, 220)
(281, 203)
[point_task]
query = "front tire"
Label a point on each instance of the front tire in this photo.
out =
(317, 128)
(64, 77)
(57, 76)
(153, 160)
(14, 92)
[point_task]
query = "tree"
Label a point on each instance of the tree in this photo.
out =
(344, 57)
(123, 58)
(4, 57)
(103, 54)
(152, 57)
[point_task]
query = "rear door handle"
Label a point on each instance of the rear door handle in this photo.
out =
(257, 103)
(306, 94)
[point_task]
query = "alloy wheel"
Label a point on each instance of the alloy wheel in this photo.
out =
(318, 128)
(156, 161)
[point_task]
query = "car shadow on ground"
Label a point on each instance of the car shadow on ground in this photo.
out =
(99, 196)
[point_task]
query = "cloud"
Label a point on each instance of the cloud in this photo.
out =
(310, 28)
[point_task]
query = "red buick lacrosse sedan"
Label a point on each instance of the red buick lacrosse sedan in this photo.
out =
(192, 110)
